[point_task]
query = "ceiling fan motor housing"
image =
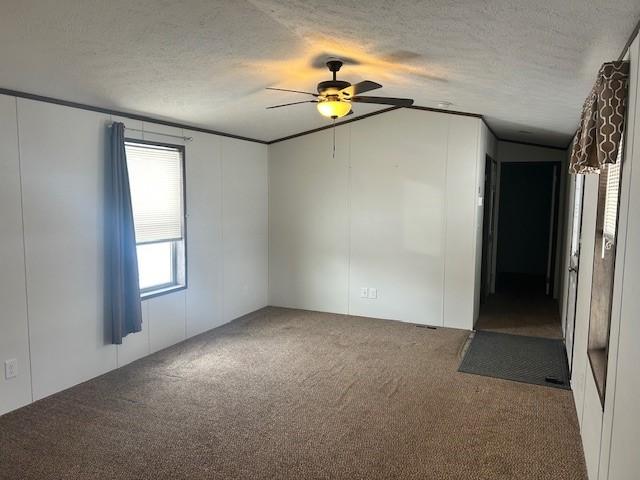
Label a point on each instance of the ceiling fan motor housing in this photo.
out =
(332, 87)
(334, 64)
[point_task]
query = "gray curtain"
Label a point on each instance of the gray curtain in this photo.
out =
(123, 291)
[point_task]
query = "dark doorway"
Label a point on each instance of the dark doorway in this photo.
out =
(527, 225)
(527, 213)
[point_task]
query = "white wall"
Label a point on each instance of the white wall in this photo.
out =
(611, 432)
(622, 413)
(60, 156)
(396, 210)
(14, 339)
(397, 213)
(244, 227)
(488, 145)
(309, 222)
(51, 187)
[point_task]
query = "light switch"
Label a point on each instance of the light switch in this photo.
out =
(364, 292)
(373, 293)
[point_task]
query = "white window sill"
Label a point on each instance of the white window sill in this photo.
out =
(161, 291)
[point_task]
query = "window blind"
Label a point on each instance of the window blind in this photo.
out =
(611, 200)
(155, 177)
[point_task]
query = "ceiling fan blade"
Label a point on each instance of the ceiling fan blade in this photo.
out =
(292, 103)
(293, 91)
(400, 102)
(361, 87)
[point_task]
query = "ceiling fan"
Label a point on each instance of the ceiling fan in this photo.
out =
(334, 97)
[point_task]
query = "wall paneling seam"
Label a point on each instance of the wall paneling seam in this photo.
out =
(445, 225)
(223, 313)
(476, 216)
(268, 225)
(349, 214)
(24, 248)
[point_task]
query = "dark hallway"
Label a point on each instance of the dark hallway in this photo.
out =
(520, 307)
(523, 301)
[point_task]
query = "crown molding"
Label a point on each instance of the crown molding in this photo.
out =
(132, 116)
(146, 118)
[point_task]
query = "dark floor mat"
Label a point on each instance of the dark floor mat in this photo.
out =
(540, 361)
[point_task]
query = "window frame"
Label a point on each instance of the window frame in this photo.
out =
(160, 290)
(149, 291)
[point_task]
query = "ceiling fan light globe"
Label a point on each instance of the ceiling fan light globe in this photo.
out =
(334, 108)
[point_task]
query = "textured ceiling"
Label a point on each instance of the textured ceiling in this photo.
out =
(526, 65)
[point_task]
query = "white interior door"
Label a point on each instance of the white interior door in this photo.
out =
(574, 261)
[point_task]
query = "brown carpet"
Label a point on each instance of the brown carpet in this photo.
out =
(289, 394)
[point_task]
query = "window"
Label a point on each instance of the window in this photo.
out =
(611, 201)
(156, 178)
(604, 260)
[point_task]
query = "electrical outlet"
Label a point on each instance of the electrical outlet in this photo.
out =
(10, 368)
(373, 293)
(364, 292)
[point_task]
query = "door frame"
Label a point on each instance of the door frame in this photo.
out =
(572, 266)
(488, 227)
(554, 229)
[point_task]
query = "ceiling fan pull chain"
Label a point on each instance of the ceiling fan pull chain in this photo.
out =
(334, 138)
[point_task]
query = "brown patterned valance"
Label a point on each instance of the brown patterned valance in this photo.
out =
(602, 124)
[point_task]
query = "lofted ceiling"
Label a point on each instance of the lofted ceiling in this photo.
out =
(525, 65)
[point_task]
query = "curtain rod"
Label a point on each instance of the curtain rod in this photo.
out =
(186, 139)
